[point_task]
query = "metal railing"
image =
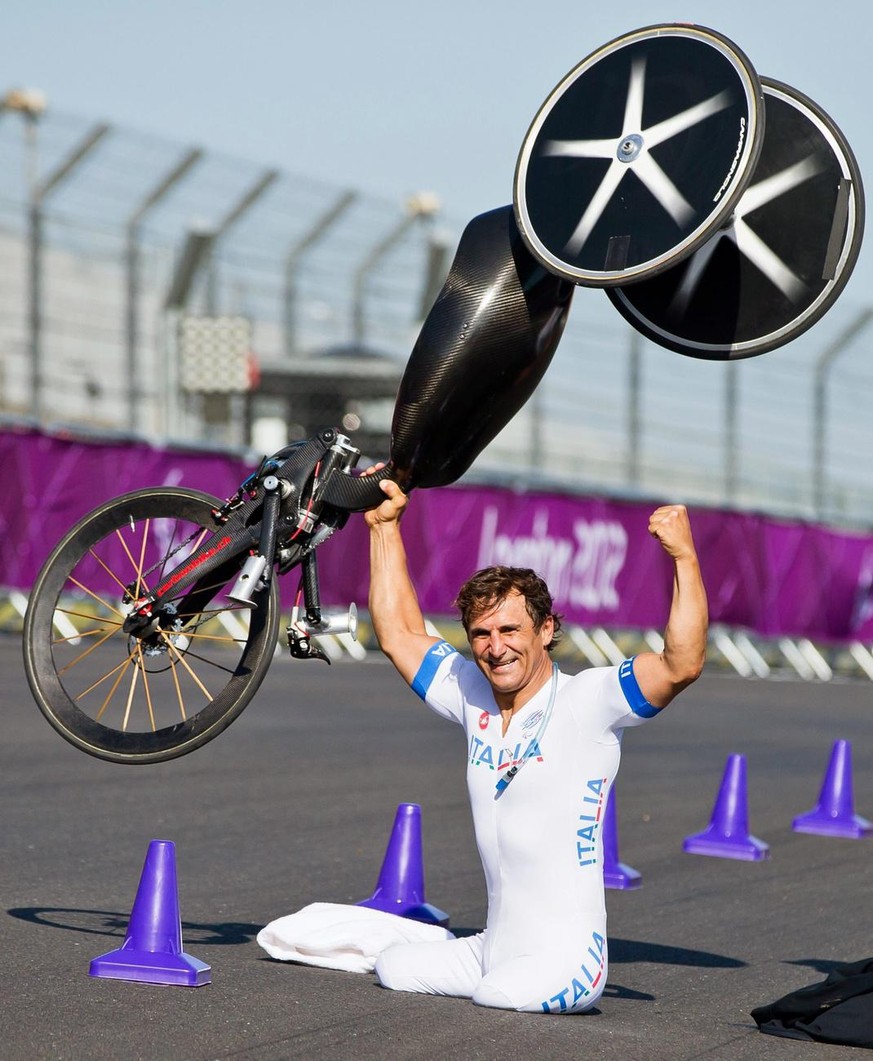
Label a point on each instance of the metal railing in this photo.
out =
(107, 235)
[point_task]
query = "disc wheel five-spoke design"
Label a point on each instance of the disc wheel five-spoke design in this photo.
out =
(154, 697)
(638, 155)
(781, 260)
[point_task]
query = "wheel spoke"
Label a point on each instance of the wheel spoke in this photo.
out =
(115, 685)
(697, 264)
(87, 615)
(633, 108)
(770, 264)
(131, 691)
(146, 689)
(120, 668)
(766, 191)
(179, 698)
(670, 127)
(84, 655)
(108, 570)
(73, 638)
(140, 580)
(581, 148)
(215, 664)
(137, 568)
(171, 648)
(225, 639)
(663, 189)
(97, 597)
(611, 180)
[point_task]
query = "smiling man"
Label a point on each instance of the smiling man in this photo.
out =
(543, 751)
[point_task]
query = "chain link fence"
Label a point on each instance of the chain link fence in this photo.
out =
(110, 240)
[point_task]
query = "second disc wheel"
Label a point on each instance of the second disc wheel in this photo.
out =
(783, 256)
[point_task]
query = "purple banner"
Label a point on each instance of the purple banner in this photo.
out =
(49, 482)
(771, 577)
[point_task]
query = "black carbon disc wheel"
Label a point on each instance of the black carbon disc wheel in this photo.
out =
(142, 700)
(638, 155)
(782, 259)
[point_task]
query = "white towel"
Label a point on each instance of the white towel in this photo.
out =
(336, 936)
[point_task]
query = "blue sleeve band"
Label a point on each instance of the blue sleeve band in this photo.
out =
(425, 673)
(632, 692)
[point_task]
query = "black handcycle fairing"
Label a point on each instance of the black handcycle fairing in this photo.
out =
(482, 350)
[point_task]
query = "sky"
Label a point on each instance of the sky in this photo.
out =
(395, 97)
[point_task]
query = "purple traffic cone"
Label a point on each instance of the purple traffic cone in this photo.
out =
(727, 835)
(400, 888)
(152, 951)
(834, 814)
(615, 874)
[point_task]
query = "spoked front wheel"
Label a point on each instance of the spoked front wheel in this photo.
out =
(143, 699)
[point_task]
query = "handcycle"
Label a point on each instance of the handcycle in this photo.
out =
(154, 621)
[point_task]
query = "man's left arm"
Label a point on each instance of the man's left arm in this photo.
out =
(662, 675)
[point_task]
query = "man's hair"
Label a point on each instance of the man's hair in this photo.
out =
(489, 587)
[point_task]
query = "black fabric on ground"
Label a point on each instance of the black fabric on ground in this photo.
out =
(839, 1009)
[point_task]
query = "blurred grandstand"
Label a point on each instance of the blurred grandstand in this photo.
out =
(163, 291)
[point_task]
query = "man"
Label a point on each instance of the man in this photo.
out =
(543, 751)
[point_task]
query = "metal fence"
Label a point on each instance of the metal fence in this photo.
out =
(109, 236)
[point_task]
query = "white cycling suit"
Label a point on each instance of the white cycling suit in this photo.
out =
(544, 944)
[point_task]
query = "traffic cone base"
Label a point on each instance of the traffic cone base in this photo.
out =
(152, 951)
(179, 970)
(834, 814)
(619, 875)
(711, 842)
(400, 888)
(727, 835)
(822, 825)
(424, 912)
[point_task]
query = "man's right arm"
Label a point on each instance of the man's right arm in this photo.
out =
(394, 610)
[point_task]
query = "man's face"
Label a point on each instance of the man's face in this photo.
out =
(508, 650)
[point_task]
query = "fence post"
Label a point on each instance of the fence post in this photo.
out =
(424, 205)
(822, 368)
(132, 263)
(731, 457)
(38, 194)
(634, 387)
(292, 261)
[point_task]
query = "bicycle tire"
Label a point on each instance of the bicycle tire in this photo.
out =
(154, 683)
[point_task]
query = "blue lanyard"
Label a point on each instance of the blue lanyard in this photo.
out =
(503, 783)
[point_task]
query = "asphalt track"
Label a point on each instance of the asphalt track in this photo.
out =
(294, 804)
